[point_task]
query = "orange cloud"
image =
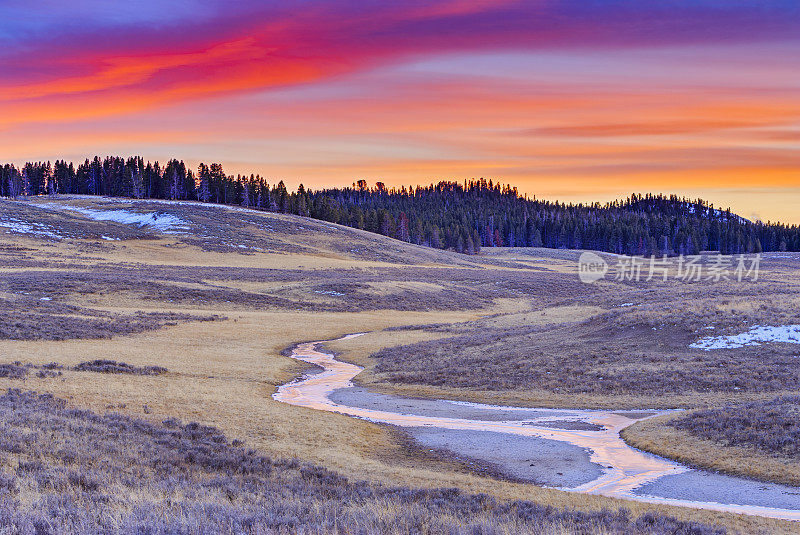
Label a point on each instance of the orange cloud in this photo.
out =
(117, 72)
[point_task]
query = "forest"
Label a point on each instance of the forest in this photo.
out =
(463, 217)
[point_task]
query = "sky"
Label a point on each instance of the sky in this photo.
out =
(575, 100)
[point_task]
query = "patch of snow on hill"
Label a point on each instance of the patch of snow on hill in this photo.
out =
(166, 223)
(18, 226)
(756, 336)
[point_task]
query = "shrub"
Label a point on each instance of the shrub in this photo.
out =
(13, 371)
(112, 366)
(771, 426)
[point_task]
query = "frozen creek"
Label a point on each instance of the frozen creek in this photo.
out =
(573, 450)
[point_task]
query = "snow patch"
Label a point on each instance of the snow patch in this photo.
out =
(166, 223)
(18, 226)
(789, 334)
(328, 292)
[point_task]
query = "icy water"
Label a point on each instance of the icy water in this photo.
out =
(517, 437)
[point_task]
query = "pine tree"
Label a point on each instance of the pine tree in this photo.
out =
(245, 194)
(465, 217)
(205, 182)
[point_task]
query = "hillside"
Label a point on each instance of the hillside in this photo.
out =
(179, 309)
(222, 258)
(448, 215)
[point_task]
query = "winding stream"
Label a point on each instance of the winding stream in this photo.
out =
(621, 471)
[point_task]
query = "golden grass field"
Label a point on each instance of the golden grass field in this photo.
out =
(224, 372)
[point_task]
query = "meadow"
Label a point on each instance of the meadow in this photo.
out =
(80, 472)
(216, 308)
(620, 346)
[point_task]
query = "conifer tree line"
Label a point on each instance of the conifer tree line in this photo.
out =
(449, 215)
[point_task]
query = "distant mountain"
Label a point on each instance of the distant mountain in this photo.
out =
(449, 215)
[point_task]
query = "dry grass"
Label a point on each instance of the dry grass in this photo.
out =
(223, 373)
(660, 436)
(555, 369)
(73, 471)
(620, 347)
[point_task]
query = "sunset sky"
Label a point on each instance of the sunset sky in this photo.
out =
(575, 100)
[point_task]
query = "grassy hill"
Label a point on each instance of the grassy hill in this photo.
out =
(215, 295)
(449, 215)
